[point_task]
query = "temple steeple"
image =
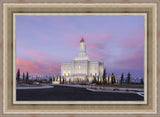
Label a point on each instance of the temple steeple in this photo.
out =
(82, 45)
(82, 54)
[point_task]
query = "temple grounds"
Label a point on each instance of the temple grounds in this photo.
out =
(70, 93)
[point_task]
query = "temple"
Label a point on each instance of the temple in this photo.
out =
(81, 69)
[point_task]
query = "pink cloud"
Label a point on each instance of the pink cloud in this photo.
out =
(104, 37)
(39, 66)
(133, 40)
(33, 53)
(96, 55)
(133, 44)
(135, 60)
(36, 54)
(27, 65)
(95, 45)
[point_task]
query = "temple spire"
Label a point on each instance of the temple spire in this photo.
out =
(82, 39)
(82, 55)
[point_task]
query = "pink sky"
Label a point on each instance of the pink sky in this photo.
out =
(45, 42)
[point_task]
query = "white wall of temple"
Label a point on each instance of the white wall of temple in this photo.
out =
(82, 56)
(101, 68)
(66, 69)
(94, 68)
(82, 67)
(72, 67)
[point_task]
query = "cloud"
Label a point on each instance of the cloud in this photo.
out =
(96, 55)
(39, 66)
(95, 45)
(134, 43)
(37, 54)
(40, 63)
(132, 61)
(134, 39)
(73, 43)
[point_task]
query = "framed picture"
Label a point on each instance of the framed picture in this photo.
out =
(79, 58)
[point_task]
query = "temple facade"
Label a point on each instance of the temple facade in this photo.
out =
(81, 69)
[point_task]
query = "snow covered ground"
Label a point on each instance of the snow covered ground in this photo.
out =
(138, 91)
(26, 86)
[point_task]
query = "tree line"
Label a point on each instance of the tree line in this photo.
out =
(61, 79)
(24, 78)
(113, 79)
(97, 80)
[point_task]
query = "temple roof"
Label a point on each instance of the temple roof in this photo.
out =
(82, 40)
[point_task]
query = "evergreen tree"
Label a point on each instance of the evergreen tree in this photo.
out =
(63, 80)
(121, 81)
(112, 78)
(108, 79)
(69, 81)
(18, 75)
(142, 81)
(128, 78)
(53, 78)
(50, 79)
(98, 80)
(23, 76)
(94, 79)
(87, 80)
(60, 80)
(27, 77)
(104, 76)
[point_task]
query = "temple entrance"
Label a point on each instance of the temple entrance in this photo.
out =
(77, 80)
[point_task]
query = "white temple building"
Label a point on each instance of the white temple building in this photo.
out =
(81, 69)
